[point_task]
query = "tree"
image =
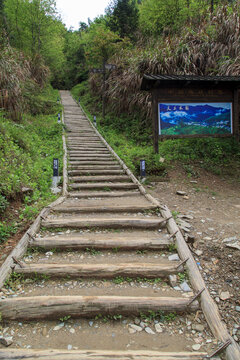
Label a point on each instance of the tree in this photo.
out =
(123, 17)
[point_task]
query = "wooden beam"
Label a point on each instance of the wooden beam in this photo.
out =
(122, 223)
(103, 209)
(54, 307)
(74, 242)
(50, 354)
(102, 271)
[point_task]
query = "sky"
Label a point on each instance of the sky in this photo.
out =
(74, 11)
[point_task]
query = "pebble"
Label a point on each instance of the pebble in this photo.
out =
(49, 253)
(137, 321)
(90, 323)
(224, 295)
(158, 328)
(72, 331)
(198, 327)
(173, 280)
(174, 257)
(6, 341)
(185, 287)
(196, 347)
(181, 193)
(237, 308)
(149, 330)
(58, 327)
(136, 327)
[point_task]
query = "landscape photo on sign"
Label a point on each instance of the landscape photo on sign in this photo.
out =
(195, 118)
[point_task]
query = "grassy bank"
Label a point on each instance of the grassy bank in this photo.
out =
(27, 149)
(130, 137)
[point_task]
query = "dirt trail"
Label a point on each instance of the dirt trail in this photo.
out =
(108, 228)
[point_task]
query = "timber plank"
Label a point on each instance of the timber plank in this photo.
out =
(101, 271)
(74, 222)
(53, 307)
(25, 354)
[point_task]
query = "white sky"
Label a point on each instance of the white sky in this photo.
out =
(74, 11)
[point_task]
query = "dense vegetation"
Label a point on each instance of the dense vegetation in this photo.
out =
(138, 36)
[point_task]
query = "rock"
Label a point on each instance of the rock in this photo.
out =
(44, 331)
(161, 159)
(181, 193)
(49, 253)
(136, 327)
(6, 341)
(72, 331)
(196, 347)
(143, 324)
(185, 287)
(69, 347)
(149, 330)
(237, 308)
(199, 252)
(90, 323)
(177, 288)
(158, 328)
(131, 330)
(173, 280)
(224, 295)
(236, 245)
(233, 238)
(198, 327)
(58, 327)
(174, 257)
(137, 321)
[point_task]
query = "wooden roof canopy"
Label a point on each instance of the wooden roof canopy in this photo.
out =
(150, 82)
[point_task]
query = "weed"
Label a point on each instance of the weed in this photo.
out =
(115, 250)
(183, 276)
(107, 318)
(6, 230)
(175, 214)
(141, 252)
(14, 280)
(92, 251)
(172, 247)
(65, 318)
(157, 315)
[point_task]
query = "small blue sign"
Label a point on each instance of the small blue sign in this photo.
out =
(142, 168)
(55, 167)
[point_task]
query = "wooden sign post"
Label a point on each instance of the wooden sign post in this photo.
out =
(193, 106)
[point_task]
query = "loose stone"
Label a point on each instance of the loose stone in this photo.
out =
(149, 331)
(6, 341)
(158, 328)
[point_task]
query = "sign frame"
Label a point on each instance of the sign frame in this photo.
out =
(182, 104)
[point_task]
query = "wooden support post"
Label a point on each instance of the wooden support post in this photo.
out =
(236, 114)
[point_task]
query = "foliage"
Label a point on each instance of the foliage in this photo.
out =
(27, 149)
(122, 17)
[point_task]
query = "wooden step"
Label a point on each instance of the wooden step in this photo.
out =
(113, 223)
(95, 167)
(92, 172)
(89, 158)
(103, 186)
(82, 179)
(50, 354)
(120, 242)
(102, 194)
(101, 271)
(53, 307)
(102, 209)
(79, 162)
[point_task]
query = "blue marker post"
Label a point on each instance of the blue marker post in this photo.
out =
(59, 118)
(58, 100)
(142, 169)
(95, 120)
(79, 100)
(56, 177)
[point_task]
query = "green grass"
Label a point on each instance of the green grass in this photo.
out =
(27, 150)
